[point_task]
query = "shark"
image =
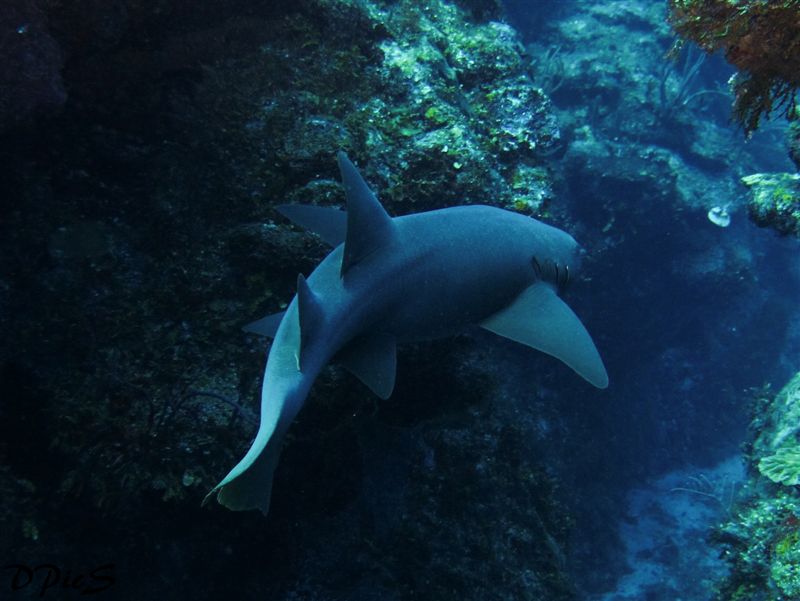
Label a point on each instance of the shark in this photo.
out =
(392, 280)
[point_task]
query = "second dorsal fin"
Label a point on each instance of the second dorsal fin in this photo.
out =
(368, 225)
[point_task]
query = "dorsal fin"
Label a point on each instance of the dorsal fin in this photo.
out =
(539, 319)
(309, 314)
(368, 225)
(326, 222)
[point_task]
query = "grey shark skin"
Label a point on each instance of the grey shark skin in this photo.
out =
(390, 280)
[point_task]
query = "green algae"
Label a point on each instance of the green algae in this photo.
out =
(775, 201)
(761, 542)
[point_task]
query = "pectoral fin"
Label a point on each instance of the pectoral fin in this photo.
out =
(540, 319)
(373, 360)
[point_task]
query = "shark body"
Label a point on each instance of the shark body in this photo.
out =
(414, 277)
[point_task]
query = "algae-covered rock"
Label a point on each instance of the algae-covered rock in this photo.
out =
(460, 115)
(32, 84)
(775, 201)
(761, 541)
(639, 125)
(794, 143)
(761, 546)
(785, 568)
(143, 236)
(433, 100)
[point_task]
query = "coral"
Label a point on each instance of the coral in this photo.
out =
(761, 38)
(761, 542)
(778, 421)
(782, 467)
(785, 568)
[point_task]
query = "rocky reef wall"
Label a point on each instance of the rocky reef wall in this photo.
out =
(138, 236)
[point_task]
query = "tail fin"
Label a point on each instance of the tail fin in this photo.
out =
(249, 483)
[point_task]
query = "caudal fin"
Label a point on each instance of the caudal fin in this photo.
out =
(249, 484)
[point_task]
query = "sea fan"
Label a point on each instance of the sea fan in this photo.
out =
(783, 467)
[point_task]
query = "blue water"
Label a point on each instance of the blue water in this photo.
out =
(693, 315)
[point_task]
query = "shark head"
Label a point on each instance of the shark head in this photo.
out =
(547, 259)
(543, 252)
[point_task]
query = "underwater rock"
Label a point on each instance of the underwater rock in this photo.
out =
(775, 201)
(459, 101)
(794, 143)
(760, 541)
(523, 120)
(484, 53)
(622, 110)
(626, 169)
(82, 240)
(710, 146)
(185, 124)
(310, 141)
(31, 84)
